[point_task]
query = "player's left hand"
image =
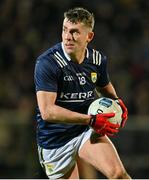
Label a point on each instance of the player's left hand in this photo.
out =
(102, 125)
(125, 112)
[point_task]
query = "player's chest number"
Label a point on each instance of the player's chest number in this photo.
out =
(82, 80)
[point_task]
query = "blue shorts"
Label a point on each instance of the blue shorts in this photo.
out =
(57, 162)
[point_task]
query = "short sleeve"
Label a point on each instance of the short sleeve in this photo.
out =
(104, 76)
(45, 76)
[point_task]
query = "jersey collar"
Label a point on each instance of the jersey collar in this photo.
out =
(68, 57)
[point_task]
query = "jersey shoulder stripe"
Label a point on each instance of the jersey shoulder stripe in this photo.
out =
(60, 60)
(56, 54)
(96, 57)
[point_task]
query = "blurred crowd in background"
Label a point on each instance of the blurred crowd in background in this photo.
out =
(28, 27)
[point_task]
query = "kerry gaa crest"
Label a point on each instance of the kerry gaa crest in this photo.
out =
(94, 77)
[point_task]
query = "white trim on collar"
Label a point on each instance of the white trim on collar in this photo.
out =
(87, 53)
(68, 57)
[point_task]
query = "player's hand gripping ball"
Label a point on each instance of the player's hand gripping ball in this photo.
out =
(106, 116)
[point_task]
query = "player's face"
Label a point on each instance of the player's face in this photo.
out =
(75, 37)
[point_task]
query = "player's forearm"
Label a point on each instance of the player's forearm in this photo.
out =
(108, 91)
(57, 114)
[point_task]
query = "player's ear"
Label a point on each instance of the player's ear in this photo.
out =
(90, 36)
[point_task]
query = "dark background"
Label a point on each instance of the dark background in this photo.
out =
(27, 28)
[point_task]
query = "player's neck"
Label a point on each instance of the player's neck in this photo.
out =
(79, 57)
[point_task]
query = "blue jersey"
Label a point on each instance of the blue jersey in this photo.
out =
(75, 87)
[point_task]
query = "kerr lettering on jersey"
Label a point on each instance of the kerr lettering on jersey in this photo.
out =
(76, 96)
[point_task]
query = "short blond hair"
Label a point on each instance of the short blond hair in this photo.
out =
(82, 15)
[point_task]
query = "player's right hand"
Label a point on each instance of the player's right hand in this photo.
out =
(125, 112)
(102, 126)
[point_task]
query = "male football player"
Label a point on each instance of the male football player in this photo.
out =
(66, 77)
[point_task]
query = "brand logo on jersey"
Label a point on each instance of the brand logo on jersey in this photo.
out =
(68, 78)
(94, 77)
(49, 167)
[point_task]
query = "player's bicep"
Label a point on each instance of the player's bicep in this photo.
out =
(45, 102)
